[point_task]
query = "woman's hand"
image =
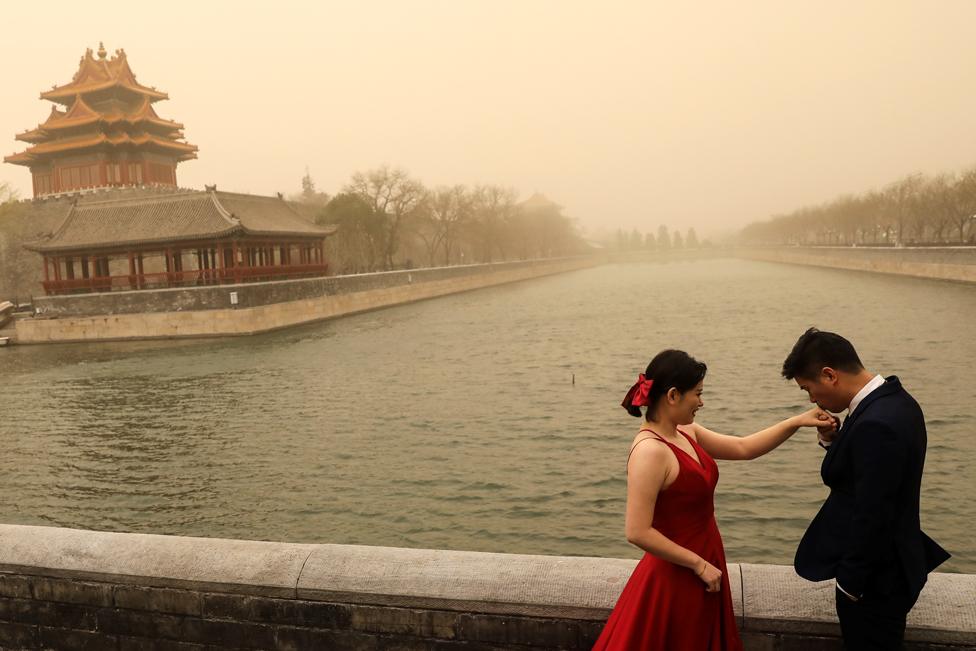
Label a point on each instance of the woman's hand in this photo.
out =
(711, 576)
(818, 418)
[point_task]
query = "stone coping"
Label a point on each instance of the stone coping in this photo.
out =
(767, 598)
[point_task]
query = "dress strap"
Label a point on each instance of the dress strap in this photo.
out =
(646, 438)
(690, 439)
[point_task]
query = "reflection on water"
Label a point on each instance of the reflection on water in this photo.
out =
(454, 423)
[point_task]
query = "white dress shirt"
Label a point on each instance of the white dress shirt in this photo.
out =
(872, 384)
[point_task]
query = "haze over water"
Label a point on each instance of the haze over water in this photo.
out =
(454, 423)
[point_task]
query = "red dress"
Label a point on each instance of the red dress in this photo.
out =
(664, 606)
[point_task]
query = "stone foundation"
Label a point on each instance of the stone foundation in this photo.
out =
(941, 263)
(260, 307)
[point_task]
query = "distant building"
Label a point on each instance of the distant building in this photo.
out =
(104, 172)
(539, 202)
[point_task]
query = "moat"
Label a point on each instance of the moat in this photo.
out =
(456, 423)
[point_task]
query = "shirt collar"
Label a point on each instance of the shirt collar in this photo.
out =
(873, 384)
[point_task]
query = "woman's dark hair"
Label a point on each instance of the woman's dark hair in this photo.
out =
(816, 349)
(670, 368)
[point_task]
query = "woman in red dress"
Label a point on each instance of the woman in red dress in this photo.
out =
(678, 597)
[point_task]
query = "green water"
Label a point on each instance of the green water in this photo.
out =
(454, 423)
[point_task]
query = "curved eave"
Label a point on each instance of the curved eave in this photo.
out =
(185, 149)
(53, 148)
(45, 132)
(34, 136)
(41, 247)
(64, 94)
(303, 234)
(23, 158)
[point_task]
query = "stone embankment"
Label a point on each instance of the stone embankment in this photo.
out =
(210, 311)
(66, 588)
(941, 263)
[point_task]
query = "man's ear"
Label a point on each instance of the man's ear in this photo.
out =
(828, 376)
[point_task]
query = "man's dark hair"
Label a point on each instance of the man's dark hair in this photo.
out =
(816, 349)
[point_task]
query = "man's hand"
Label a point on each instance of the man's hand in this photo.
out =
(828, 432)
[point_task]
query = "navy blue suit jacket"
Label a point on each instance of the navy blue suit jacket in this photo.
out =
(867, 534)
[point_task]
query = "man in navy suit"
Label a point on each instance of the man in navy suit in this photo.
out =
(867, 534)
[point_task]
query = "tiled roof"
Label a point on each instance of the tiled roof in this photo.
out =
(96, 223)
(268, 215)
(80, 114)
(99, 74)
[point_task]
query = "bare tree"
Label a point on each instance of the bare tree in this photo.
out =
(965, 210)
(448, 211)
(903, 203)
(493, 208)
(393, 196)
(940, 205)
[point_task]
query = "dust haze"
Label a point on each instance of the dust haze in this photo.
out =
(629, 115)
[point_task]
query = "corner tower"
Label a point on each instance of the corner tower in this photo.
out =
(102, 132)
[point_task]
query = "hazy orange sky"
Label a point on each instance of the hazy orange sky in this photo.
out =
(631, 114)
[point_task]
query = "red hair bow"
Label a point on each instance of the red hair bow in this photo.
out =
(638, 394)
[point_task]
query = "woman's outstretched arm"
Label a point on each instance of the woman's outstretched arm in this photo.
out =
(648, 470)
(723, 446)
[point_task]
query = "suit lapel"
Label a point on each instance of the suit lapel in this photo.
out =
(890, 386)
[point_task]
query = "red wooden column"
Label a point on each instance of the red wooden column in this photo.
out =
(322, 252)
(236, 266)
(219, 254)
(132, 270)
(57, 271)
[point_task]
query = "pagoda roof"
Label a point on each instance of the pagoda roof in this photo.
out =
(94, 223)
(183, 150)
(81, 114)
(539, 201)
(100, 74)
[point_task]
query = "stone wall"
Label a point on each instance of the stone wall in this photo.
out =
(66, 588)
(943, 263)
(208, 311)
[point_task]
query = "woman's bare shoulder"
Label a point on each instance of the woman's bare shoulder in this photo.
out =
(648, 449)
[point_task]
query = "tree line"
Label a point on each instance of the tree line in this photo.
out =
(388, 220)
(917, 210)
(664, 240)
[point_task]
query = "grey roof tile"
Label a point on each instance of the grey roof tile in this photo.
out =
(159, 217)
